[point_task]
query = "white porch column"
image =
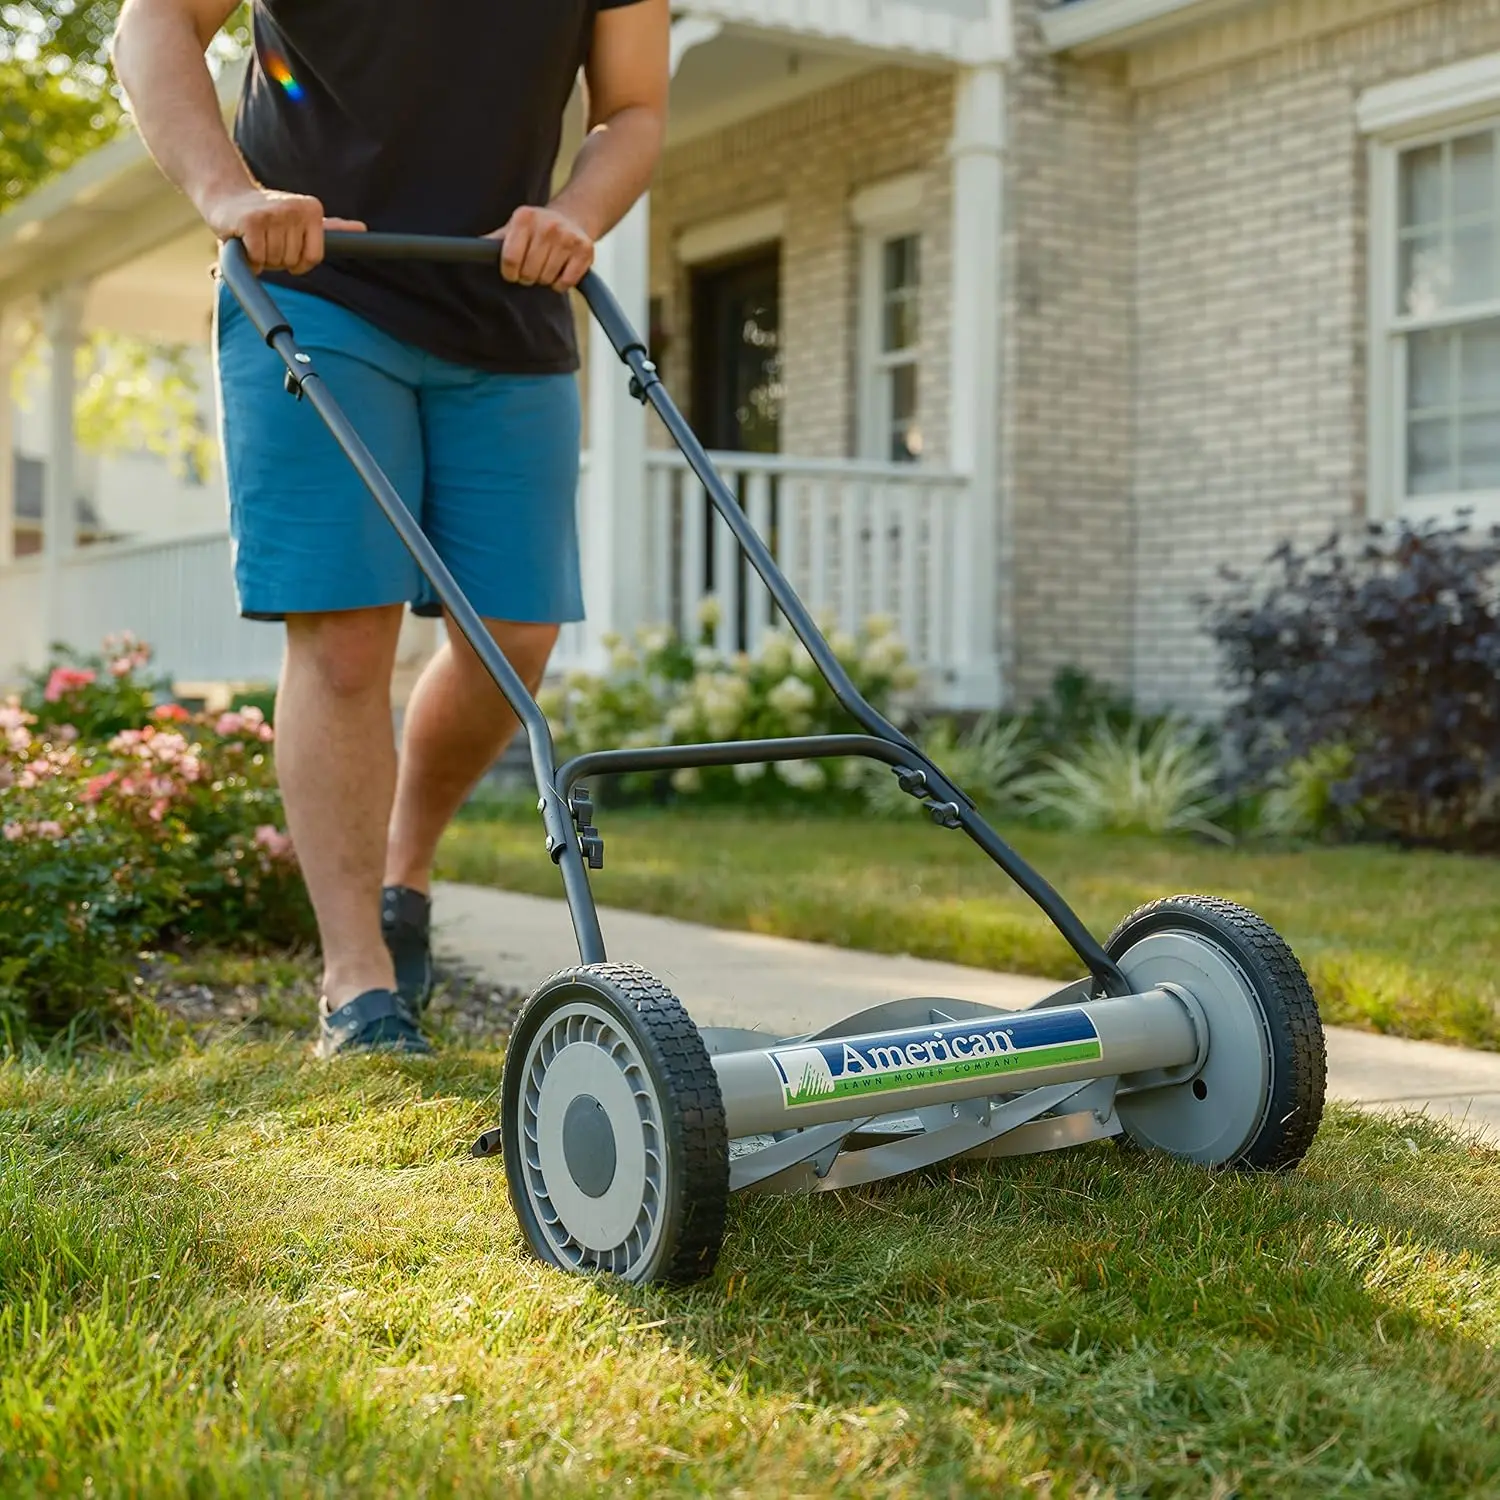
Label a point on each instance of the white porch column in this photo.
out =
(614, 521)
(63, 321)
(983, 586)
(9, 321)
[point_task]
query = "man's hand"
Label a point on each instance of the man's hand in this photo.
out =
(543, 247)
(280, 231)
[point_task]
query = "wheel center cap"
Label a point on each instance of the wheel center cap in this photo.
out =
(588, 1143)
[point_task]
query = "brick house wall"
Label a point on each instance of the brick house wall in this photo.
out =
(1066, 386)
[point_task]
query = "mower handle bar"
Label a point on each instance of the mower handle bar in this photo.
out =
(351, 244)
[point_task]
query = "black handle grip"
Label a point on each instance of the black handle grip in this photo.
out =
(348, 244)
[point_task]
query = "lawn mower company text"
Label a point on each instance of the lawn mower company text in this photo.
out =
(852, 1066)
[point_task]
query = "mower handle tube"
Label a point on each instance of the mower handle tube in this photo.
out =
(304, 382)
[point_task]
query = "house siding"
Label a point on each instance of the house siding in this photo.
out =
(1251, 313)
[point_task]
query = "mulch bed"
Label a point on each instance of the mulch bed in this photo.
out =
(466, 1011)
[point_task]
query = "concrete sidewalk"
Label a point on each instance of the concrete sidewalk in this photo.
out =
(744, 979)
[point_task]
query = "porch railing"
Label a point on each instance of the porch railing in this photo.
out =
(856, 539)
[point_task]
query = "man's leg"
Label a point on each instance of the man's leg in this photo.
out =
(336, 762)
(457, 724)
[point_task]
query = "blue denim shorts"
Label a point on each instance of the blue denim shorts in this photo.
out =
(488, 464)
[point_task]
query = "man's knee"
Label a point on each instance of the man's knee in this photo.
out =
(350, 653)
(528, 648)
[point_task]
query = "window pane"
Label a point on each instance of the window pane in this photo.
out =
(899, 309)
(1479, 452)
(1429, 358)
(900, 262)
(1473, 265)
(1479, 365)
(1421, 186)
(1474, 174)
(1429, 469)
(1426, 277)
(906, 434)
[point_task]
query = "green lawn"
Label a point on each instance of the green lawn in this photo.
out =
(229, 1270)
(1406, 943)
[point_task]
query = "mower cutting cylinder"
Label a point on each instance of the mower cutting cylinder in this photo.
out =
(813, 1082)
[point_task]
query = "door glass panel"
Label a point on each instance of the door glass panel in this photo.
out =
(737, 360)
(906, 432)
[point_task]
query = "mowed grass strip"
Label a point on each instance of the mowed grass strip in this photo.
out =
(1404, 943)
(237, 1272)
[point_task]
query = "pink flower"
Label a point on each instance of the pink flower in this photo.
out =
(266, 733)
(276, 843)
(14, 831)
(158, 810)
(19, 739)
(67, 733)
(121, 666)
(128, 739)
(229, 724)
(13, 716)
(167, 746)
(252, 716)
(171, 713)
(47, 829)
(65, 680)
(96, 787)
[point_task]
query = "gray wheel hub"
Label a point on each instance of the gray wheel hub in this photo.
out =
(1214, 1116)
(591, 1128)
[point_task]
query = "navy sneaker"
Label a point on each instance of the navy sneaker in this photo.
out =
(406, 921)
(377, 1021)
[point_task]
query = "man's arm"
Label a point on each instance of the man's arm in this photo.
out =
(158, 51)
(628, 76)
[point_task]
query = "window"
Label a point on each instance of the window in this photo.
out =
(1448, 314)
(1435, 293)
(896, 432)
(890, 422)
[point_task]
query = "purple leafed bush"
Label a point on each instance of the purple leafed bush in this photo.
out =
(1385, 648)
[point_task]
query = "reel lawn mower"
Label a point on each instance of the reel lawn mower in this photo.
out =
(624, 1128)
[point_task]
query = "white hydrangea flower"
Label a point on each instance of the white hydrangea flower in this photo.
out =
(622, 658)
(750, 772)
(687, 780)
(885, 654)
(710, 612)
(776, 653)
(653, 639)
(878, 627)
(681, 718)
(804, 775)
(611, 639)
(845, 647)
(705, 659)
(802, 662)
(791, 697)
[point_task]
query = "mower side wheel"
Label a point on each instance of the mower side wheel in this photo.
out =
(1258, 1100)
(616, 1152)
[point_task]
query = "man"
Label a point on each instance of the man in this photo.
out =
(439, 117)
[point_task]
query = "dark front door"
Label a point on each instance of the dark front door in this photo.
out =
(737, 386)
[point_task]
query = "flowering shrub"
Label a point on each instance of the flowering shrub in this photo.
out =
(93, 697)
(168, 828)
(661, 691)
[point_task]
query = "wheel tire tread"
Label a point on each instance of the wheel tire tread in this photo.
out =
(692, 1109)
(1298, 1049)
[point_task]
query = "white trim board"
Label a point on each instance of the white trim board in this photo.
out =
(718, 237)
(1445, 96)
(892, 199)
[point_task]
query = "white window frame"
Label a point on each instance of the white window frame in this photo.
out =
(1397, 117)
(882, 212)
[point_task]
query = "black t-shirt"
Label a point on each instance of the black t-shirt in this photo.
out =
(422, 117)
